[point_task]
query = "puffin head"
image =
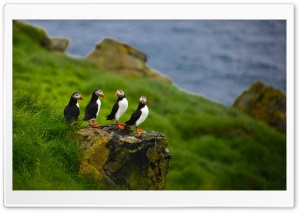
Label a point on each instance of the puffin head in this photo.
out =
(76, 95)
(120, 93)
(143, 99)
(98, 92)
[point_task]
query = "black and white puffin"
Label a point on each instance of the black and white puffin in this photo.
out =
(71, 111)
(119, 108)
(139, 115)
(93, 107)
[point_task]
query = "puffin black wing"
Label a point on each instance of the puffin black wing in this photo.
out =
(134, 117)
(71, 113)
(114, 110)
(90, 111)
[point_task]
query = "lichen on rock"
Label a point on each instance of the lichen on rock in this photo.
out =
(123, 159)
(264, 103)
(112, 55)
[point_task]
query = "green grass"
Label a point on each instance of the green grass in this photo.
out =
(213, 147)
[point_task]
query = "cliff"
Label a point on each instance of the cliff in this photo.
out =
(123, 159)
(264, 103)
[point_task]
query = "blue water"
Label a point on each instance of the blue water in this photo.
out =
(214, 58)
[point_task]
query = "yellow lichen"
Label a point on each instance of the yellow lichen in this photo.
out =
(88, 171)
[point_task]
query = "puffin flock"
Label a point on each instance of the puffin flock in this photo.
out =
(71, 111)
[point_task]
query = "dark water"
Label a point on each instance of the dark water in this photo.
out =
(217, 58)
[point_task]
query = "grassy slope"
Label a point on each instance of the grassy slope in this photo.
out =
(212, 146)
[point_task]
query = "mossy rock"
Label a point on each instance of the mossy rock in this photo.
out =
(112, 55)
(264, 103)
(40, 37)
(58, 44)
(123, 159)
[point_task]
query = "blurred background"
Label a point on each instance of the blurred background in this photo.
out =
(214, 58)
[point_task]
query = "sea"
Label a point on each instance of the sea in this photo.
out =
(217, 59)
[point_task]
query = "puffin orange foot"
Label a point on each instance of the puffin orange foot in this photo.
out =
(91, 124)
(121, 126)
(139, 131)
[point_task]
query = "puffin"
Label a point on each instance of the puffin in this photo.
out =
(139, 115)
(71, 111)
(119, 108)
(93, 107)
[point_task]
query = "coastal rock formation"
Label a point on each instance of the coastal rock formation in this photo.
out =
(115, 56)
(58, 44)
(264, 103)
(123, 159)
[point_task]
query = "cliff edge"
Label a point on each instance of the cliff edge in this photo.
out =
(123, 159)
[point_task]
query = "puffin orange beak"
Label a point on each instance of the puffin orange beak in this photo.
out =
(103, 96)
(81, 98)
(116, 94)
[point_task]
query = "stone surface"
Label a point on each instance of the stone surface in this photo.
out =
(264, 103)
(58, 44)
(123, 159)
(115, 56)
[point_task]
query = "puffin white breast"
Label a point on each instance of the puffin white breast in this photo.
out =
(145, 112)
(123, 105)
(99, 105)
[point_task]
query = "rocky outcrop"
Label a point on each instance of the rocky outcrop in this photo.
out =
(115, 56)
(40, 35)
(57, 44)
(123, 159)
(264, 103)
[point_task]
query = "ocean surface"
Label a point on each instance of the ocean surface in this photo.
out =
(217, 59)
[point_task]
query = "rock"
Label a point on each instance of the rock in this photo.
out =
(264, 103)
(57, 44)
(123, 159)
(115, 56)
